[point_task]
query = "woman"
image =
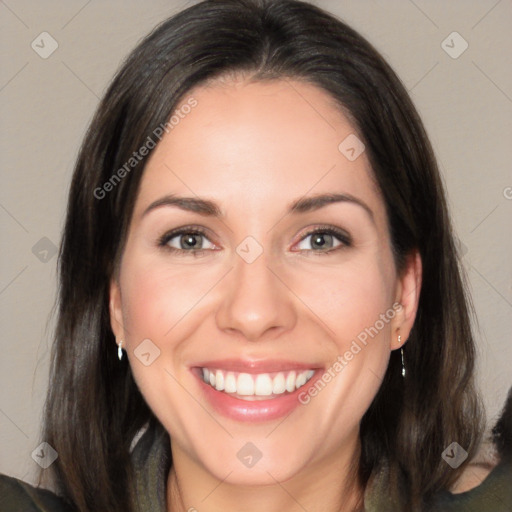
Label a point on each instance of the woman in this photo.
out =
(207, 356)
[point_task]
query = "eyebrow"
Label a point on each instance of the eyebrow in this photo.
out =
(209, 208)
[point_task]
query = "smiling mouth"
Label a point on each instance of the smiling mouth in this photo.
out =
(258, 386)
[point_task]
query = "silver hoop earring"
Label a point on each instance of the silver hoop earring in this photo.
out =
(120, 350)
(402, 354)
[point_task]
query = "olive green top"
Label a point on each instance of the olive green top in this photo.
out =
(152, 461)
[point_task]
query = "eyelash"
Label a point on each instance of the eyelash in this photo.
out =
(163, 241)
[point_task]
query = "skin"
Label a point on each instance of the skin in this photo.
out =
(253, 148)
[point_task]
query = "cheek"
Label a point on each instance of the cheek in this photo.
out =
(354, 301)
(157, 297)
(348, 298)
(162, 303)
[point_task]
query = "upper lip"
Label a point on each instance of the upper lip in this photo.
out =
(256, 366)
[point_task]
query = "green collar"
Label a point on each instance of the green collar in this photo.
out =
(151, 458)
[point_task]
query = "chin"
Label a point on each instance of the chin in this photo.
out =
(257, 462)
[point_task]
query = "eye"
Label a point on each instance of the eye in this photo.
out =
(186, 240)
(324, 239)
(189, 241)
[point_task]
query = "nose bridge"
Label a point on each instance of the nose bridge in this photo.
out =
(257, 301)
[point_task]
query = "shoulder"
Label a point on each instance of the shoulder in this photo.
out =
(481, 466)
(472, 477)
(19, 496)
(480, 489)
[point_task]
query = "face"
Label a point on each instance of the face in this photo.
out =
(290, 314)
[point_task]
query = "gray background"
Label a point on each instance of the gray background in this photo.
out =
(466, 104)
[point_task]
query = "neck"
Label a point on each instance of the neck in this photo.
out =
(326, 486)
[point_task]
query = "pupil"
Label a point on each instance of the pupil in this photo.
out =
(319, 240)
(189, 240)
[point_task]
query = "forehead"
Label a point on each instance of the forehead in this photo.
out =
(262, 143)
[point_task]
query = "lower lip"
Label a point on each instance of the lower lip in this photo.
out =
(254, 410)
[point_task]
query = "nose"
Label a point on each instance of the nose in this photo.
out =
(257, 301)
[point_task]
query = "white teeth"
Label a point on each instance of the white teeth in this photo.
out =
(219, 380)
(290, 382)
(279, 384)
(263, 384)
(300, 380)
(230, 383)
(245, 384)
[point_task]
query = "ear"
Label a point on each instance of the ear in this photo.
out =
(407, 295)
(116, 310)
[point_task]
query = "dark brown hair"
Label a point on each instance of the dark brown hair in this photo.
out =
(94, 407)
